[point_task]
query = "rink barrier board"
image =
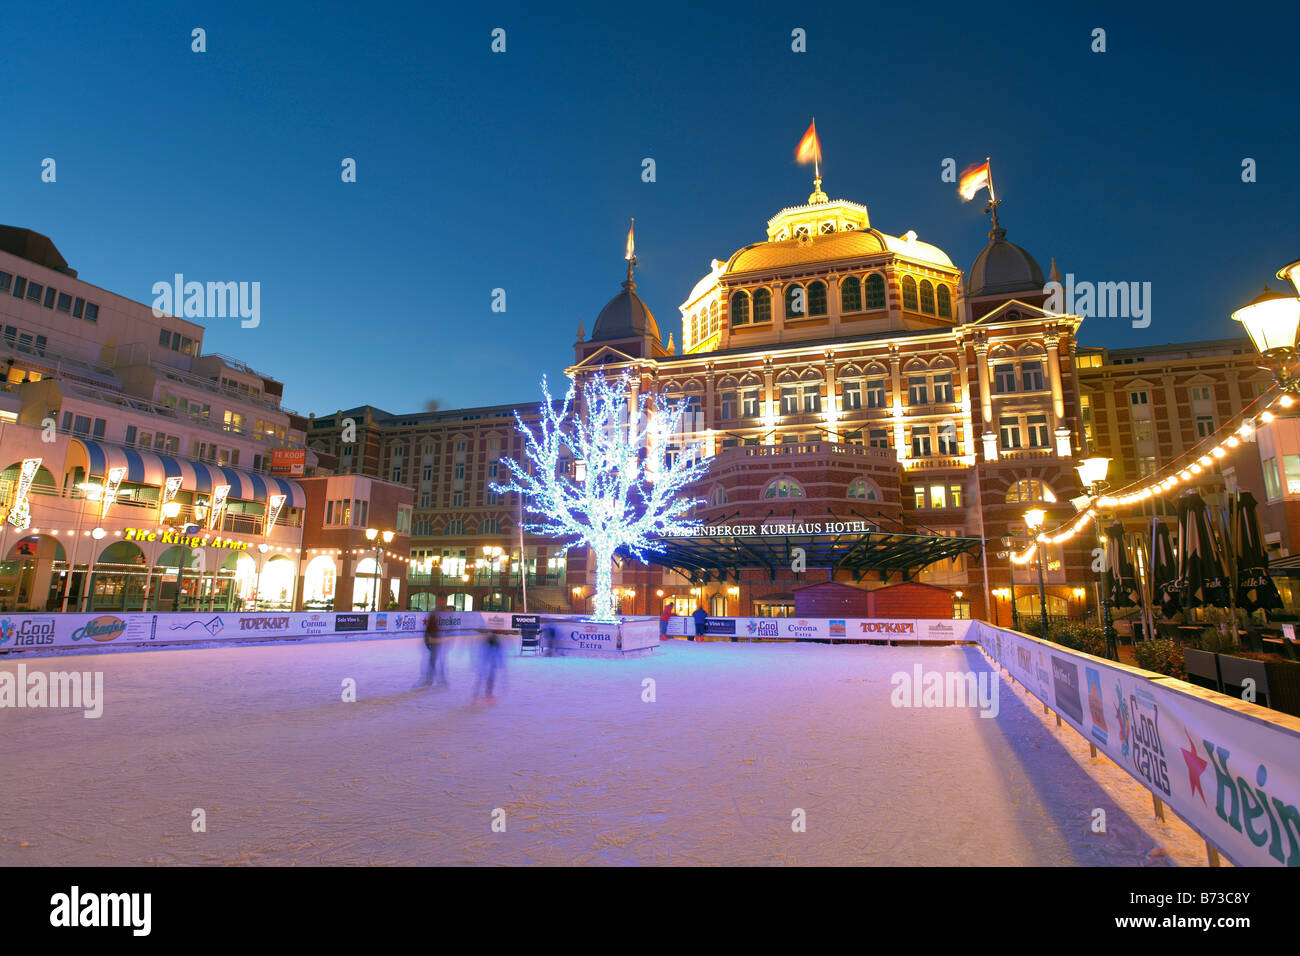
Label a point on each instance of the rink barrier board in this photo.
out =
(898, 630)
(1229, 768)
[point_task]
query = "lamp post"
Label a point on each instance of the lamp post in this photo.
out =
(1033, 521)
(1011, 577)
(261, 562)
(87, 489)
(1092, 472)
(375, 535)
(492, 558)
(1271, 320)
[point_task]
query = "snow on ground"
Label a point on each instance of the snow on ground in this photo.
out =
(739, 736)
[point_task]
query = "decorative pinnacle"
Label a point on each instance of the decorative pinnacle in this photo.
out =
(817, 195)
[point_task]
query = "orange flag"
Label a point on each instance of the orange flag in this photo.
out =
(809, 149)
(973, 179)
(631, 243)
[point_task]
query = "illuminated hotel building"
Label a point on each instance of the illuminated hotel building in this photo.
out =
(93, 382)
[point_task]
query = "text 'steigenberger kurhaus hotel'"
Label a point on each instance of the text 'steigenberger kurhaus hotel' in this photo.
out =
(865, 405)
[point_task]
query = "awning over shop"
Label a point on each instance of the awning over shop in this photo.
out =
(151, 468)
(703, 559)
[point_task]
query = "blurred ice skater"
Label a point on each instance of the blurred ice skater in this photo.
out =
(435, 667)
(489, 660)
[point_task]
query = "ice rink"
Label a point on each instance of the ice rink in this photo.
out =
(738, 738)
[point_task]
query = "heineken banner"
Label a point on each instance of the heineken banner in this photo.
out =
(1229, 768)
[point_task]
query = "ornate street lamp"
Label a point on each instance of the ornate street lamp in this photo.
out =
(375, 535)
(1271, 320)
(1092, 472)
(1033, 521)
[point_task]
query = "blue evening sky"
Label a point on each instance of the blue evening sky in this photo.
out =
(520, 170)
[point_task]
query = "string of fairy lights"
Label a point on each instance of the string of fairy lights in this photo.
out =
(72, 533)
(1188, 467)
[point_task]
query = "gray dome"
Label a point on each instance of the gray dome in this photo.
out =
(1003, 267)
(625, 317)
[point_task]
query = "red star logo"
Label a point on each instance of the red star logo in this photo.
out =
(1195, 767)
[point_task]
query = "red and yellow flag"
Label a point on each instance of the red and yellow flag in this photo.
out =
(973, 179)
(809, 149)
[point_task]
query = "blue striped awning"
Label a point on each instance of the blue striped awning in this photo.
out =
(151, 468)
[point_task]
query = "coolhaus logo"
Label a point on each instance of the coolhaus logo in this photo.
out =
(82, 690)
(211, 300)
(131, 910)
(27, 632)
(946, 689)
(1139, 737)
(760, 628)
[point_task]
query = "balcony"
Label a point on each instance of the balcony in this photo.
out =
(728, 456)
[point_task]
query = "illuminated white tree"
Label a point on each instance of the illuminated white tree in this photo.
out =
(624, 489)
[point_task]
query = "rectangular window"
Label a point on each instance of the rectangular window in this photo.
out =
(164, 337)
(730, 442)
(98, 430)
(130, 434)
(1291, 468)
(20, 286)
(1204, 426)
(851, 396)
(5, 280)
(918, 497)
(750, 409)
(917, 392)
(876, 393)
(458, 499)
(424, 499)
(49, 298)
(459, 472)
(1200, 393)
(943, 388)
(789, 439)
(948, 440)
(65, 302)
(812, 399)
(329, 512)
(937, 493)
(1031, 376)
(1037, 431)
(493, 498)
(879, 438)
(78, 306)
(921, 443)
(789, 401)
(365, 512)
(954, 496)
(81, 425)
(1139, 398)
(1004, 378)
(67, 421)
(1010, 433)
(1142, 429)
(34, 291)
(1146, 466)
(728, 406)
(397, 475)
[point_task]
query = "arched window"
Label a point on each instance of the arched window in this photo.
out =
(945, 303)
(740, 308)
(762, 305)
(713, 318)
(875, 291)
(695, 328)
(1029, 491)
(909, 293)
(783, 488)
(817, 298)
(796, 301)
(861, 488)
(851, 295)
(927, 297)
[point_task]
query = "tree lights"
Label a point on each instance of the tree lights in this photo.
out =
(625, 486)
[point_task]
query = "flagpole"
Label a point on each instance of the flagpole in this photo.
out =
(993, 197)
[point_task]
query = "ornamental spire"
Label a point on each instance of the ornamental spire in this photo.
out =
(630, 256)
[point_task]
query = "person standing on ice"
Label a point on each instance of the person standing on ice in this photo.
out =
(489, 660)
(701, 616)
(434, 664)
(664, 617)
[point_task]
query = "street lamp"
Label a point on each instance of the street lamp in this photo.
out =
(1271, 320)
(375, 535)
(261, 562)
(1033, 521)
(1011, 578)
(1092, 472)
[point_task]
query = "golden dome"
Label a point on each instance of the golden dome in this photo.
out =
(818, 248)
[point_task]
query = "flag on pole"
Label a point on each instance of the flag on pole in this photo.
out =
(973, 179)
(631, 243)
(809, 149)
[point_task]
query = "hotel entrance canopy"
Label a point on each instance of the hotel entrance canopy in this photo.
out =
(152, 468)
(719, 556)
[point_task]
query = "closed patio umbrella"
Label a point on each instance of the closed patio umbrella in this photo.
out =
(1164, 572)
(1201, 580)
(1255, 588)
(1120, 576)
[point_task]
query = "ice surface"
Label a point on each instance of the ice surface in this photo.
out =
(739, 736)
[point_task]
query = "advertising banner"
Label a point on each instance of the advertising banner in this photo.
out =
(288, 461)
(1230, 768)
